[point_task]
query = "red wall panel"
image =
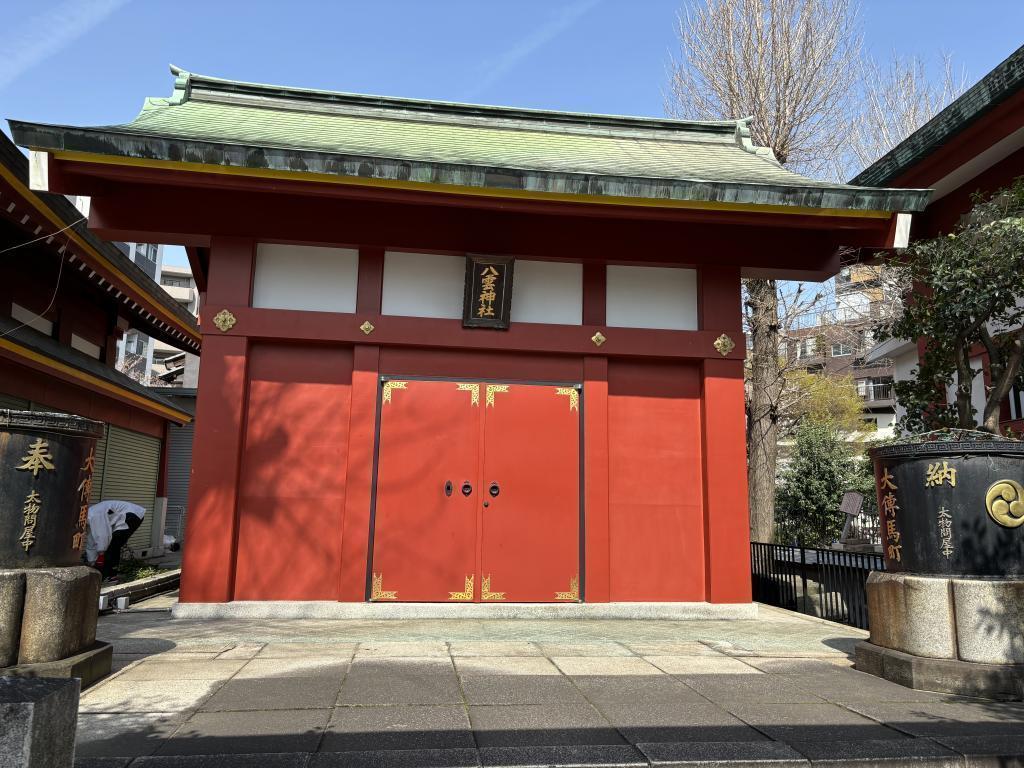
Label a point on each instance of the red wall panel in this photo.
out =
(655, 482)
(292, 487)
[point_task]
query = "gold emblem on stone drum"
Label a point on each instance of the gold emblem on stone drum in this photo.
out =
(1005, 503)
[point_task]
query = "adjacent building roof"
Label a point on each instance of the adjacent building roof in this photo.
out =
(109, 264)
(28, 343)
(994, 88)
(216, 122)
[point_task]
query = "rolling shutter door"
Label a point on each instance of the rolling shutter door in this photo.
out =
(130, 470)
(179, 468)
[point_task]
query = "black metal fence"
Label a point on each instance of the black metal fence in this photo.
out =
(821, 582)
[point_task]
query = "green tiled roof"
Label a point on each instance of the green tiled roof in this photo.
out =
(222, 122)
(992, 90)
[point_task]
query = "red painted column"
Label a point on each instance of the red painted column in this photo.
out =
(726, 511)
(595, 498)
(362, 436)
(208, 564)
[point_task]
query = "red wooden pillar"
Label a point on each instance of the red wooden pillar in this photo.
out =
(726, 508)
(208, 564)
(596, 500)
(597, 549)
(362, 436)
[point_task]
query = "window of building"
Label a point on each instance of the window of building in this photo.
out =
(841, 350)
(174, 282)
(1016, 397)
(806, 347)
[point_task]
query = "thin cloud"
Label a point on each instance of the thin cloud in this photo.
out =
(500, 66)
(46, 33)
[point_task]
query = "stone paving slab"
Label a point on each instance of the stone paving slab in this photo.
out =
(745, 754)
(375, 728)
(888, 753)
(604, 755)
(298, 693)
(540, 724)
(208, 733)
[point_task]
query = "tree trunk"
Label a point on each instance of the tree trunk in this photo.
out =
(762, 411)
(964, 382)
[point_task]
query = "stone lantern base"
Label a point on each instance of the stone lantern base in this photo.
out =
(48, 624)
(955, 635)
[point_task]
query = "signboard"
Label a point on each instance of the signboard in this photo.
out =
(488, 297)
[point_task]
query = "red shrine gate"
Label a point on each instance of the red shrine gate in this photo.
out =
(477, 493)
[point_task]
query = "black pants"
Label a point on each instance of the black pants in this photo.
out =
(113, 556)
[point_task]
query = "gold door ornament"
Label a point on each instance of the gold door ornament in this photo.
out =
(491, 389)
(474, 389)
(485, 590)
(389, 386)
(598, 339)
(1005, 503)
(724, 345)
(367, 327)
(574, 590)
(377, 591)
(466, 595)
(224, 321)
(573, 394)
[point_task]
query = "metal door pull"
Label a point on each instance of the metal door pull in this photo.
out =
(448, 488)
(494, 490)
(466, 489)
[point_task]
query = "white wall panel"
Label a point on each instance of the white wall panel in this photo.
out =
(423, 285)
(652, 297)
(304, 277)
(547, 292)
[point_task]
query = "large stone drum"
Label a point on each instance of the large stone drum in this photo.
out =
(46, 468)
(952, 508)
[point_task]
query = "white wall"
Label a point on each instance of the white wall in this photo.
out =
(547, 292)
(652, 297)
(423, 285)
(978, 397)
(310, 278)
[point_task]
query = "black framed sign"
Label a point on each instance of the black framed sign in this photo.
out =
(488, 297)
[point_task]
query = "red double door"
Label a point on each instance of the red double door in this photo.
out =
(478, 493)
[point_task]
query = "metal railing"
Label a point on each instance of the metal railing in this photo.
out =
(874, 392)
(826, 583)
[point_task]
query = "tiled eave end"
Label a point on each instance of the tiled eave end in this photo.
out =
(97, 145)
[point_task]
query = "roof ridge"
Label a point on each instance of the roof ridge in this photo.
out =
(185, 81)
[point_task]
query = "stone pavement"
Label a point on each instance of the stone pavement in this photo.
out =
(773, 692)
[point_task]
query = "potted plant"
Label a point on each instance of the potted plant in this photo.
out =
(951, 490)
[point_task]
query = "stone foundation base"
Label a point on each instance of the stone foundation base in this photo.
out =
(89, 666)
(951, 634)
(962, 678)
(298, 609)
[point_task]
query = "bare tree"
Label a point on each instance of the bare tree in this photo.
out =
(894, 101)
(792, 65)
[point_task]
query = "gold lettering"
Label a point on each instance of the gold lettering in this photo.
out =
(37, 458)
(886, 482)
(939, 473)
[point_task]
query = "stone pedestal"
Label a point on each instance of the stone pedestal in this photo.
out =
(949, 634)
(38, 718)
(48, 620)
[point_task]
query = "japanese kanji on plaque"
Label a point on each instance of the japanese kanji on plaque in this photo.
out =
(488, 298)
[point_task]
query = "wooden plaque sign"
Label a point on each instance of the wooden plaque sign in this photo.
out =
(488, 297)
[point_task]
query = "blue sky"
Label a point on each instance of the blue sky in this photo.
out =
(92, 61)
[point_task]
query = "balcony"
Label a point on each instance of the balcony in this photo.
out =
(876, 393)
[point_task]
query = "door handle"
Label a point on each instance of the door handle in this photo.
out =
(466, 488)
(494, 490)
(448, 488)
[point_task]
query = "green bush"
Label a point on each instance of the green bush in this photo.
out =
(823, 467)
(132, 568)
